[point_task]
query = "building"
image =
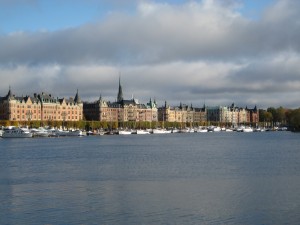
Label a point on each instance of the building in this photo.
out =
(233, 115)
(121, 110)
(182, 114)
(40, 107)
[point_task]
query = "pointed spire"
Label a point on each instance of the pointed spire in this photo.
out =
(9, 94)
(120, 92)
(77, 98)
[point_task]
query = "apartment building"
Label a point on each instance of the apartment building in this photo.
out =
(40, 107)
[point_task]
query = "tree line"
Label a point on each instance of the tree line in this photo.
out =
(281, 117)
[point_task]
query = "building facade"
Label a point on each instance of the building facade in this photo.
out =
(40, 107)
(120, 111)
(233, 115)
(182, 114)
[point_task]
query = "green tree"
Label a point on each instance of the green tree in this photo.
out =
(294, 120)
(281, 115)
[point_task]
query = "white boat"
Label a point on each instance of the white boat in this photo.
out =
(40, 132)
(74, 133)
(258, 129)
(142, 132)
(175, 130)
(240, 129)
(161, 131)
(16, 132)
(202, 130)
(124, 132)
(247, 129)
(68, 133)
(191, 130)
(184, 130)
(214, 129)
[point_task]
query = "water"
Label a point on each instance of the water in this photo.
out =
(207, 178)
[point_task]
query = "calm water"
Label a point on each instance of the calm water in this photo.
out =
(212, 178)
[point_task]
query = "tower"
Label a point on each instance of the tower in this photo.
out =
(77, 98)
(120, 92)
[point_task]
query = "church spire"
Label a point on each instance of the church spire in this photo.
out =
(77, 98)
(120, 92)
(9, 94)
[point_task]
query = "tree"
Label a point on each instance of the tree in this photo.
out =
(294, 119)
(281, 115)
(273, 112)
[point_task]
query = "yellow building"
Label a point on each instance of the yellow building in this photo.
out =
(121, 110)
(182, 114)
(40, 107)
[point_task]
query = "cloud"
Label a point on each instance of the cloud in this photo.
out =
(192, 52)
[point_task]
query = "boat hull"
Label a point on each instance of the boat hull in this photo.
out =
(16, 133)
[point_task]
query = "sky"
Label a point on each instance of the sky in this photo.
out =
(204, 51)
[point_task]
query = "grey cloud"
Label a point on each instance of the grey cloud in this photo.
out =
(157, 34)
(188, 53)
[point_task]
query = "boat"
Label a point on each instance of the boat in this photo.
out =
(240, 129)
(68, 133)
(16, 132)
(142, 132)
(175, 130)
(247, 129)
(40, 132)
(214, 129)
(184, 130)
(161, 131)
(202, 130)
(228, 130)
(124, 132)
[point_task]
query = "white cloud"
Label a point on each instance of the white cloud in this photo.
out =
(194, 52)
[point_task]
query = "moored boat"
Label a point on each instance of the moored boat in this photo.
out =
(214, 129)
(142, 132)
(202, 130)
(40, 132)
(16, 132)
(247, 129)
(175, 130)
(124, 132)
(161, 131)
(68, 133)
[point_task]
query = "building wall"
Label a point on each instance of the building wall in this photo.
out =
(34, 108)
(118, 112)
